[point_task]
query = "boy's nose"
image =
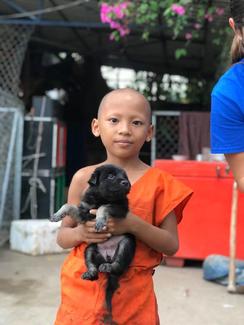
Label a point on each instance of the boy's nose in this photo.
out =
(124, 129)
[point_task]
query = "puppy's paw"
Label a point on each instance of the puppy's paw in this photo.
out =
(105, 268)
(100, 225)
(56, 217)
(90, 275)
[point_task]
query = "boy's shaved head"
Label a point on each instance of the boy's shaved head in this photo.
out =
(125, 95)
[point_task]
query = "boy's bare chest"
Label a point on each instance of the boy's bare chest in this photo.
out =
(135, 176)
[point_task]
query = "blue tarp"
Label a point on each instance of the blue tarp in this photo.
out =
(216, 268)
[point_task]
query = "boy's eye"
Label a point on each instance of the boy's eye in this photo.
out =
(137, 123)
(113, 120)
(111, 176)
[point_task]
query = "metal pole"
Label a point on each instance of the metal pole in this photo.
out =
(16, 7)
(8, 165)
(18, 164)
(232, 266)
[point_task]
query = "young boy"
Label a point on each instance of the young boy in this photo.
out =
(156, 202)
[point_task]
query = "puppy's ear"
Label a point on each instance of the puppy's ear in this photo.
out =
(93, 181)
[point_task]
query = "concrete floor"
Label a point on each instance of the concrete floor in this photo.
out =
(29, 293)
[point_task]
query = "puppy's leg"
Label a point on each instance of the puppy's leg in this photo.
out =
(121, 261)
(84, 207)
(122, 257)
(84, 213)
(66, 209)
(93, 259)
(118, 210)
(102, 217)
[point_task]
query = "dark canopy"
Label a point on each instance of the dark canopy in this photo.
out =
(78, 29)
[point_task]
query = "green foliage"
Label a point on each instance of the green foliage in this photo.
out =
(180, 52)
(182, 18)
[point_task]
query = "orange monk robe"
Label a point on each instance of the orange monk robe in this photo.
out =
(152, 197)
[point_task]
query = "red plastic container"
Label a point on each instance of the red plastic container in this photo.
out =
(205, 227)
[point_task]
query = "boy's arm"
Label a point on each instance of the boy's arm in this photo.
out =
(163, 239)
(70, 233)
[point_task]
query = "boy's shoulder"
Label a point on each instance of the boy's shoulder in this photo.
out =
(79, 183)
(84, 173)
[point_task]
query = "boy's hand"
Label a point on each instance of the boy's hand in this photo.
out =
(86, 232)
(117, 226)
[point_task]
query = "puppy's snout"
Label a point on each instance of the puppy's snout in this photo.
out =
(124, 183)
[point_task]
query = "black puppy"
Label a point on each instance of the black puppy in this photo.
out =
(109, 186)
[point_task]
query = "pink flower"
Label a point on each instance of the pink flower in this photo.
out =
(197, 26)
(119, 9)
(113, 15)
(209, 17)
(104, 12)
(178, 9)
(111, 37)
(220, 11)
(114, 25)
(124, 31)
(124, 5)
(188, 36)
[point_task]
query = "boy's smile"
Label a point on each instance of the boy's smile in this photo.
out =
(123, 142)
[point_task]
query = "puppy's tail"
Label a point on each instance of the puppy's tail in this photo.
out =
(112, 285)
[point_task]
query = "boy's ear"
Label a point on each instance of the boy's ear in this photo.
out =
(150, 133)
(232, 23)
(95, 127)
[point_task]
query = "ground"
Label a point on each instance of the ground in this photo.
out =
(29, 293)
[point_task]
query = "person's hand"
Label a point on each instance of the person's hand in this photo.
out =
(117, 226)
(86, 232)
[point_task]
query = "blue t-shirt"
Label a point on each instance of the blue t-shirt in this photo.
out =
(227, 111)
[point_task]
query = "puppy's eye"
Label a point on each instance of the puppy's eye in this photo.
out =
(111, 176)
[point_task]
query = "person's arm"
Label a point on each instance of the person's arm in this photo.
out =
(70, 233)
(70, 236)
(236, 163)
(163, 239)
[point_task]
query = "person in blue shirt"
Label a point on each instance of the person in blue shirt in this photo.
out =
(227, 101)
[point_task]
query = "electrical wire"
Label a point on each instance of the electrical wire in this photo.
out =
(44, 11)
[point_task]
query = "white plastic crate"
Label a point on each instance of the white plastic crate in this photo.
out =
(34, 237)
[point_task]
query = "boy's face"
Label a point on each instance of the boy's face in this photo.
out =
(123, 124)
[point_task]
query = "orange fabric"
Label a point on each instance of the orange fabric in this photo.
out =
(152, 197)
